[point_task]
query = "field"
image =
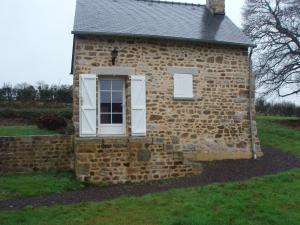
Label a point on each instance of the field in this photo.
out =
(36, 184)
(16, 120)
(22, 130)
(280, 132)
(273, 199)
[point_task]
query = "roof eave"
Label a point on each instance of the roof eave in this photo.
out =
(163, 37)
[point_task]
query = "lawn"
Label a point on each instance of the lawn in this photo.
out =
(24, 130)
(36, 184)
(266, 200)
(18, 119)
(271, 132)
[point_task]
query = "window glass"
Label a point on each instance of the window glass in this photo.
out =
(106, 118)
(117, 107)
(117, 85)
(117, 97)
(117, 118)
(105, 85)
(105, 107)
(111, 102)
(105, 97)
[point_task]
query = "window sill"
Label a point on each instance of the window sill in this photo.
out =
(111, 139)
(112, 136)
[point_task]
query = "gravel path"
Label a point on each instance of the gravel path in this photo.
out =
(219, 171)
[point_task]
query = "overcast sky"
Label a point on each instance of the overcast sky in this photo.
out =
(36, 40)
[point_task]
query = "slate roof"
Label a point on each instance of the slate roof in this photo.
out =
(156, 19)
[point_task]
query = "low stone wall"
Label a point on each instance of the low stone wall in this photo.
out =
(120, 160)
(104, 160)
(36, 153)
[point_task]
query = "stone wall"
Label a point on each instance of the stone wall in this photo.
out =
(36, 153)
(120, 160)
(213, 125)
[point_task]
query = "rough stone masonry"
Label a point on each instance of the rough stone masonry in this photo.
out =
(29, 154)
(214, 125)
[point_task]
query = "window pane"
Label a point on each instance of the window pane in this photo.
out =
(106, 118)
(117, 118)
(105, 85)
(117, 97)
(105, 97)
(105, 107)
(117, 85)
(117, 107)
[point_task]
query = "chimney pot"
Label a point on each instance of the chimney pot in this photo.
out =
(216, 6)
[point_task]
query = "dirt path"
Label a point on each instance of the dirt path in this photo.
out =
(220, 171)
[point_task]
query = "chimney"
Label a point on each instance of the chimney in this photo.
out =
(216, 7)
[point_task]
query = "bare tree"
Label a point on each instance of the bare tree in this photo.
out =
(274, 25)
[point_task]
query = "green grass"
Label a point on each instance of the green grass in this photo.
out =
(274, 134)
(24, 130)
(269, 200)
(36, 184)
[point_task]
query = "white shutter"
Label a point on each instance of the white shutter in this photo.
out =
(138, 105)
(183, 86)
(87, 104)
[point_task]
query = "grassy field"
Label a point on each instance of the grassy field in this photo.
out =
(269, 200)
(22, 130)
(271, 132)
(18, 119)
(36, 184)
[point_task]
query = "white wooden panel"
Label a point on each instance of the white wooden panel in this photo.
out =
(138, 105)
(87, 104)
(183, 85)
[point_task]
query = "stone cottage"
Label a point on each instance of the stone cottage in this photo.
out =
(157, 86)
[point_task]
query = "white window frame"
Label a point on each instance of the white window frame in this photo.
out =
(187, 96)
(111, 129)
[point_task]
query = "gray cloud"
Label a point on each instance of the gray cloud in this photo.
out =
(36, 40)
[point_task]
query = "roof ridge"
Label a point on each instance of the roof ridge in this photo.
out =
(171, 2)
